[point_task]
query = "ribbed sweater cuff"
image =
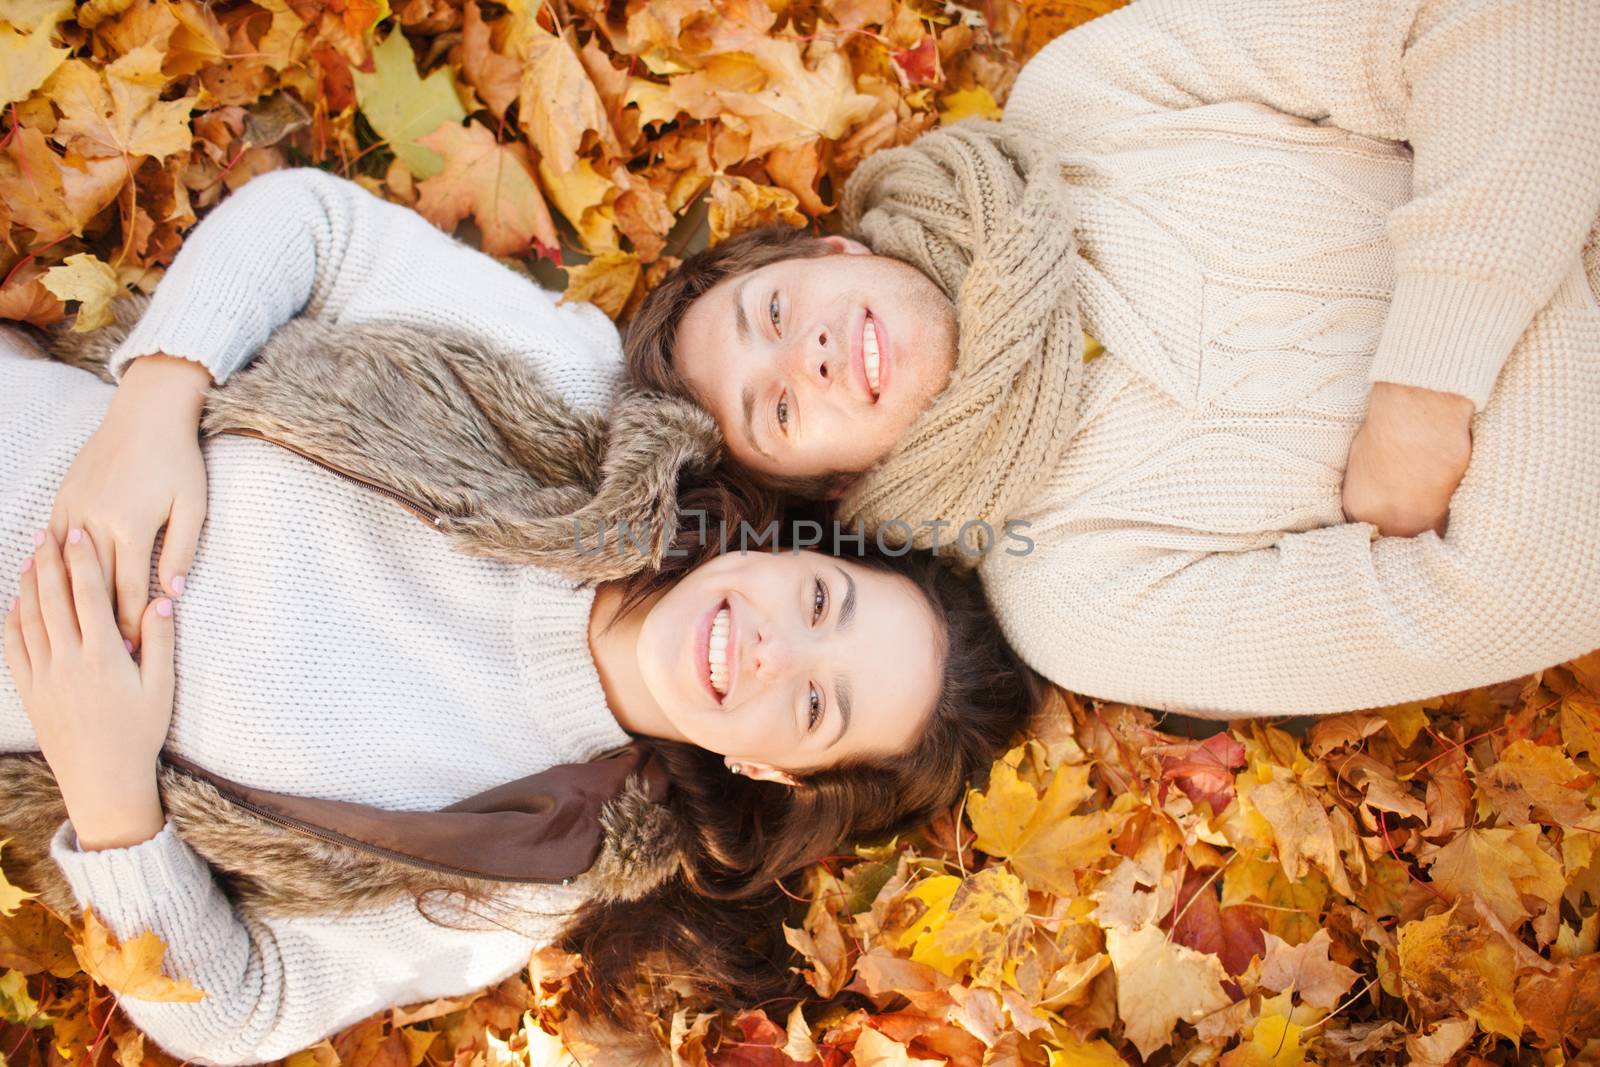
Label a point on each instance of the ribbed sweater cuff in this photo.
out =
(205, 335)
(1450, 334)
(160, 884)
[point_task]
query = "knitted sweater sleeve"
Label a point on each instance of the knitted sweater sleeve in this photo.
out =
(1499, 100)
(276, 986)
(302, 241)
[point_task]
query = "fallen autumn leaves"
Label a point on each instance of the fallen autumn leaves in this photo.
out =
(1416, 885)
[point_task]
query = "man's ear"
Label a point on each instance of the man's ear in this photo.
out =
(762, 772)
(847, 245)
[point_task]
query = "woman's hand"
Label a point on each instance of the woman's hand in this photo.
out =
(100, 719)
(1407, 459)
(141, 470)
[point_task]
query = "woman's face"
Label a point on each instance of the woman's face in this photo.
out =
(793, 659)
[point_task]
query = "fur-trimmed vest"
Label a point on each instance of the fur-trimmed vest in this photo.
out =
(467, 439)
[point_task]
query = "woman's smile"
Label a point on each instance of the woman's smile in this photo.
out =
(715, 649)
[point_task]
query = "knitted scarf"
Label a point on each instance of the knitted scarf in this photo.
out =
(508, 468)
(988, 218)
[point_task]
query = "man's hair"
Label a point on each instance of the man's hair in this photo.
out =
(652, 335)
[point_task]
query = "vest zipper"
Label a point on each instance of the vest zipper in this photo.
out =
(426, 514)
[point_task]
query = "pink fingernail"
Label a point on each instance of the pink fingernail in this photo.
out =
(27, 564)
(14, 602)
(38, 538)
(74, 535)
(164, 608)
(179, 584)
(127, 645)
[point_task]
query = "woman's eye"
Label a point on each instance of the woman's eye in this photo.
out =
(772, 311)
(819, 601)
(815, 709)
(783, 413)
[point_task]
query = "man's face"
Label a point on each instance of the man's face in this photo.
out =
(814, 366)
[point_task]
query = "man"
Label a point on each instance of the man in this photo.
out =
(1333, 253)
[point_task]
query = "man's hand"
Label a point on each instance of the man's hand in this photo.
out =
(1407, 459)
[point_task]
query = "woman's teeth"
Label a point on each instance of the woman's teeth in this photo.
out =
(717, 654)
(869, 345)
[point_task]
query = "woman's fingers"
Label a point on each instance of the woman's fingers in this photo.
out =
(133, 582)
(177, 551)
(96, 621)
(33, 631)
(55, 598)
(156, 645)
(16, 648)
(105, 552)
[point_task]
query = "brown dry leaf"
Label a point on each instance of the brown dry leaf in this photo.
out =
(117, 110)
(1160, 983)
(1531, 779)
(496, 77)
(132, 969)
(1307, 970)
(558, 103)
(1564, 1003)
(1301, 827)
(874, 1049)
(493, 183)
(609, 281)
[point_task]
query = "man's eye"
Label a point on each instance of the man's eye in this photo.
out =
(783, 412)
(772, 311)
(816, 709)
(819, 601)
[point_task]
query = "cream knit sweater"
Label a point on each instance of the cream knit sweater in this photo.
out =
(1257, 246)
(328, 644)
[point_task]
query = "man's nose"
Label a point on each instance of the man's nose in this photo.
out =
(814, 358)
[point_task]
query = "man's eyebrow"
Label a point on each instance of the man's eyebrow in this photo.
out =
(740, 322)
(748, 399)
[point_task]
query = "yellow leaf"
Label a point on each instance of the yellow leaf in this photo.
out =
(966, 103)
(558, 102)
(1300, 827)
(984, 926)
(85, 278)
(11, 897)
(28, 14)
(1529, 780)
(1044, 842)
(1498, 866)
(1159, 983)
(739, 204)
(1454, 960)
(1096, 1053)
(607, 281)
(118, 110)
(581, 195)
(1406, 721)
(26, 60)
(404, 108)
(133, 969)
(1275, 1041)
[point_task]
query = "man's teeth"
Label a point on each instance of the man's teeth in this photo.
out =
(869, 344)
(717, 654)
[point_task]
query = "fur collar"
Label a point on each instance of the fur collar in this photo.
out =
(509, 470)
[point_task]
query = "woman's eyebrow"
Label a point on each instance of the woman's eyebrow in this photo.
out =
(841, 690)
(741, 323)
(847, 613)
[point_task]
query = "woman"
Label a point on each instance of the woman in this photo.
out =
(327, 644)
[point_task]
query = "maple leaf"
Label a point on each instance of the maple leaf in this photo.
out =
(1530, 778)
(1274, 1038)
(608, 281)
(496, 77)
(1038, 834)
(977, 102)
(404, 108)
(739, 204)
(1307, 970)
(1452, 959)
(1159, 983)
(492, 182)
(821, 940)
(85, 278)
(1500, 867)
(1565, 1002)
(558, 102)
(1204, 770)
(874, 1049)
(1301, 829)
(118, 111)
(131, 969)
(26, 60)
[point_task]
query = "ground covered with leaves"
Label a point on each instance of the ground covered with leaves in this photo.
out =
(1419, 884)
